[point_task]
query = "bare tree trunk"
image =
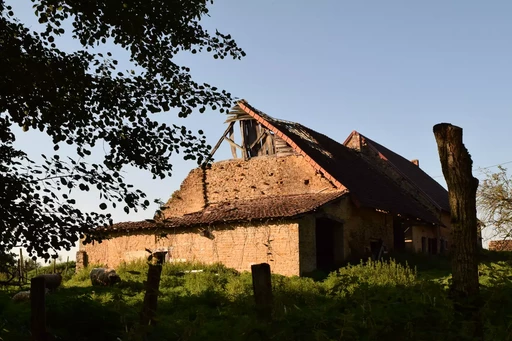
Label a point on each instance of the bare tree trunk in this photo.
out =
(457, 169)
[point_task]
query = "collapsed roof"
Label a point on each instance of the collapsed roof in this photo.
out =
(344, 167)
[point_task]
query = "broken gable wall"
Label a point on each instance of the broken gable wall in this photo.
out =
(239, 179)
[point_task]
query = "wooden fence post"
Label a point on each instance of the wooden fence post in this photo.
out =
(37, 306)
(22, 272)
(147, 316)
(262, 286)
(67, 264)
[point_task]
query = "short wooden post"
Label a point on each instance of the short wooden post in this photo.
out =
(22, 272)
(37, 306)
(147, 316)
(54, 265)
(20, 275)
(262, 286)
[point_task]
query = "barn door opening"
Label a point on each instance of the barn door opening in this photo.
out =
(398, 234)
(329, 244)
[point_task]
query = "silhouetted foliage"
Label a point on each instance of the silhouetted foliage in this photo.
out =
(84, 98)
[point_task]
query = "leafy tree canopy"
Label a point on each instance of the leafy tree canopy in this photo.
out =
(83, 98)
(494, 198)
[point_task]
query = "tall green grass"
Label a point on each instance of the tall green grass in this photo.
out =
(367, 301)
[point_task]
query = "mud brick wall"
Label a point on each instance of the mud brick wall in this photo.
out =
(238, 179)
(236, 246)
(500, 245)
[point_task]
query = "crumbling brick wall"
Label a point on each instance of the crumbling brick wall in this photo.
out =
(307, 244)
(238, 179)
(361, 226)
(500, 245)
(237, 246)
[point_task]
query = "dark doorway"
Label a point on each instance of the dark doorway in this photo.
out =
(432, 246)
(398, 234)
(328, 243)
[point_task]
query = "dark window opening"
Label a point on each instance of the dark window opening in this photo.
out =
(377, 249)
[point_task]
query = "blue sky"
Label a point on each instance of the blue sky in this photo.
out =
(389, 69)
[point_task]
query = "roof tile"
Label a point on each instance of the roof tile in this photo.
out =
(436, 193)
(270, 207)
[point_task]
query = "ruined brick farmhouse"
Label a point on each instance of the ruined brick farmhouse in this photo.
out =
(294, 198)
(500, 245)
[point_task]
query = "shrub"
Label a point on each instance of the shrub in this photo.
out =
(346, 279)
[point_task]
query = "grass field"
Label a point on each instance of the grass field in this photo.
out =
(388, 300)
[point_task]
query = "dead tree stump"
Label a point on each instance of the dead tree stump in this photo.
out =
(462, 186)
(37, 306)
(147, 316)
(262, 286)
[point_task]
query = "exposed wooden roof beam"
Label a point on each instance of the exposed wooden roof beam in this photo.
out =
(230, 126)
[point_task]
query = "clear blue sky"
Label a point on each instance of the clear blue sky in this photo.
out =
(389, 69)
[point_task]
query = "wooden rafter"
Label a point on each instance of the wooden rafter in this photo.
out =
(245, 156)
(229, 128)
(233, 143)
(260, 137)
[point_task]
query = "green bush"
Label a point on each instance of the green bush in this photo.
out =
(347, 279)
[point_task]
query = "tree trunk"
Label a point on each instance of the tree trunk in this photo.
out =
(462, 186)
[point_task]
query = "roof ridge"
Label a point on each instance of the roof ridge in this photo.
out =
(371, 144)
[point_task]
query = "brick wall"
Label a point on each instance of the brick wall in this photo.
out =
(500, 245)
(238, 179)
(422, 231)
(307, 244)
(361, 225)
(235, 246)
